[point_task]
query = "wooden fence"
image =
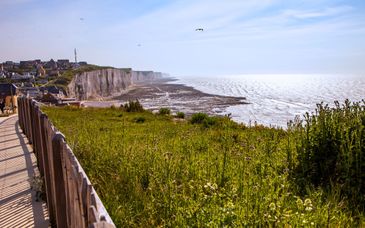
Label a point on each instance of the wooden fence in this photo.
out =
(71, 199)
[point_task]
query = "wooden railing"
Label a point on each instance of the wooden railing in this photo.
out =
(71, 199)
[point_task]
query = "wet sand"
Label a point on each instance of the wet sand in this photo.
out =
(164, 93)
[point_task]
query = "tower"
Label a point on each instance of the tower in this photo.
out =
(75, 56)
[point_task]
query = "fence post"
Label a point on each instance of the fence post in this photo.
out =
(19, 113)
(57, 147)
(38, 128)
(47, 166)
(29, 122)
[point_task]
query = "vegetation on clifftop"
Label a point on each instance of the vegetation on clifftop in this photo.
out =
(153, 170)
(63, 80)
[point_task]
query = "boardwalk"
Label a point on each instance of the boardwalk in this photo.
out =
(18, 204)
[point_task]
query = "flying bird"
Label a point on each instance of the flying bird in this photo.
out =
(199, 30)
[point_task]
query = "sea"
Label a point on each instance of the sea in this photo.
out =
(276, 99)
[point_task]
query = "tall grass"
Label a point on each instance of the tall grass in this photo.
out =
(161, 172)
(331, 151)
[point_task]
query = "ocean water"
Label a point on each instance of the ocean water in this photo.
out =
(276, 99)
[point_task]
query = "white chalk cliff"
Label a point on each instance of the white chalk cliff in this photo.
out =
(107, 82)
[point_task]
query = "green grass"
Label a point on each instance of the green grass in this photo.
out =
(150, 170)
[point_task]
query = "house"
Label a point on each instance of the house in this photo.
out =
(40, 70)
(19, 77)
(9, 93)
(50, 98)
(27, 64)
(64, 64)
(8, 65)
(56, 91)
(51, 65)
(53, 73)
(83, 63)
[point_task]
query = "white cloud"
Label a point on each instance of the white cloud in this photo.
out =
(308, 14)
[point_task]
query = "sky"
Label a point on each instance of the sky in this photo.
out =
(239, 37)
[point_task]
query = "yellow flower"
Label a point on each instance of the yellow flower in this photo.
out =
(272, 206)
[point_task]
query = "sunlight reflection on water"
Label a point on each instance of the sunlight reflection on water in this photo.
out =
(276, 99)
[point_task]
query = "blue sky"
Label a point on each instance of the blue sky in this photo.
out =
(239, 37)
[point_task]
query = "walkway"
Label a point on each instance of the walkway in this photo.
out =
(18, 204)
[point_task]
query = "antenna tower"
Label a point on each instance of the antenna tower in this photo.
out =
(75, 56)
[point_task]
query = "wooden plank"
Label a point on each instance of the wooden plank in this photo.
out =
(32, 124)
(93, 215)
(47, 167)
(57, 147)
(20, 107)
(68, 187)
(25, 118)
(75, 200)
(51, 133)
(81, 199)
(38, 139)
(93, 200)
(77, 217)
(30, 135)
(40, 143)
(101, 225)
(84, 195)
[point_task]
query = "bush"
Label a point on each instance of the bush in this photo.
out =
(331, 150)
(210, 121)
(132, 106)
(180, 115)
(198, 118)
(139, 119)
(164, 111)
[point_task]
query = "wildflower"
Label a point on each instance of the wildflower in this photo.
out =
(299, 203)
(307, 202)
(272, 206)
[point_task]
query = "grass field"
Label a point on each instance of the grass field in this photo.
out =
(153, 170)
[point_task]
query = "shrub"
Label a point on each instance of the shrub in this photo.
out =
(164, 111)
(139, 119)
(210, 121)
(180, 115)
(207, 121)
(331, 149)
(133, 106)
(198, 118)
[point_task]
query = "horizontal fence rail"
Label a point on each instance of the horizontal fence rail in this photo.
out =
(71, 199)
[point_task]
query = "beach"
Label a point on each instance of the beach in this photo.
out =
(166, 93)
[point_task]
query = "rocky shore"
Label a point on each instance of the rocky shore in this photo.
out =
(160, 93)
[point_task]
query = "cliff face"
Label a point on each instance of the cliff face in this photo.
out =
(107, 82)
(145, 76)
(99, 83)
